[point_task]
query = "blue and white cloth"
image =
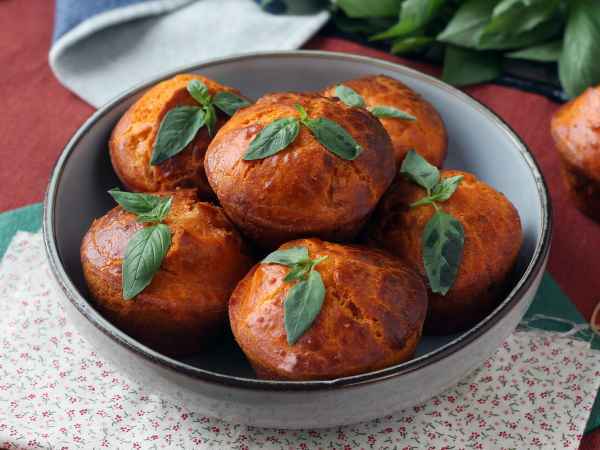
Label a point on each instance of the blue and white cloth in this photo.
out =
(103, 47)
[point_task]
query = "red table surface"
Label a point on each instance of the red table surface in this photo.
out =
(39, 115)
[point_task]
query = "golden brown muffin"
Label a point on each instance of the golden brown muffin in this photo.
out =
(576, 131)
(371, 317)
(187, 298)
(132, 140)
(493, 237)
(426, 135)
(304, 190)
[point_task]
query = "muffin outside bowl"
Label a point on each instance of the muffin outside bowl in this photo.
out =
(575, 128)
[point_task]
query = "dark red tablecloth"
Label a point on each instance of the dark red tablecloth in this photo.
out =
(38, 116)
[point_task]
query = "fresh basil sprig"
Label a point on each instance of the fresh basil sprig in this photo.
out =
(352, 98)
(280, 133)
(305, 299)
(148, 247)
(181, 124)
(443, 238)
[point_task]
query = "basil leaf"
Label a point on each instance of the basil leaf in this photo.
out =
(372, 8)
(134, 202)
(334, 138)
(418, 170)
(302, 305)
(143, 257)
(199, 92)
(302, 112)
(579, 65)
(549, 52)
(517, 16)
(410, 44)
(177, 129)
(273, 138)
(413, 15)
(363, 26)
(158, 213)
(229, 103)
(297, 272)
(349, 96)
(463, 66)
(287, 257)
(466, 26)
(445, 188)
(390, 111)
(442, 246)
(210, 119)
(502, 41)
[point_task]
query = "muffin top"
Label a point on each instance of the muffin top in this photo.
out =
(304, 187)
(426, 134)
(491, 224)
(371, 316)
(202, 237)
(133, 138)
(575, 128)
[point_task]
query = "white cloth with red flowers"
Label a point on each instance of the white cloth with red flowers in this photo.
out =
(56, 392)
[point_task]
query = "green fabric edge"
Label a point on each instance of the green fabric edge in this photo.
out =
(29, 218)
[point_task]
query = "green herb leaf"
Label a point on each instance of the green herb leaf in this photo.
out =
(466, 26)
(302, 305)
(349, 96)
(579, 65)
(302, 112)
(418, 170)
(229, 103)
(334, 138)
(390, 111)
(177, 129)
(506, 40)
(134, 202)
(210, 119)
(372, 8)
(363, 26)
(199, 92)
(463, 66)
(297, 272)
(410, 44)
(143, 257)
(287, 257)
(548, 52)
(413, 15)
(445, 188)
(273, 138)
(442, 247)
(158, 213)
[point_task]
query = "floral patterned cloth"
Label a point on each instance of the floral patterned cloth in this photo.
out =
(56, 392)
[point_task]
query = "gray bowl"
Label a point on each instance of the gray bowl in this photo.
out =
(220, 383)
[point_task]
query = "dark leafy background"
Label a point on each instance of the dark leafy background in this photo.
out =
(548, 46)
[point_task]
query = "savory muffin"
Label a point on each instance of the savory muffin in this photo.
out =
(425, 133)
(186, 301)
(371, 315)
(304, 189)
(133, 139)
(576, 131)
(492, 239)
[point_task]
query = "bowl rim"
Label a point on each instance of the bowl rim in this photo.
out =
(534, 268)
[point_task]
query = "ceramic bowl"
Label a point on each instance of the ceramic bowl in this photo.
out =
(220, 383)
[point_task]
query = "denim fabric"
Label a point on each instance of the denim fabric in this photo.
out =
(70, 13)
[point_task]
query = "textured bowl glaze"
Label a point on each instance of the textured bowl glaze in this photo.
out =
(220, 382)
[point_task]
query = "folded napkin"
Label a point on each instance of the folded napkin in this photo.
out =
(104, 47)
(56, 392)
